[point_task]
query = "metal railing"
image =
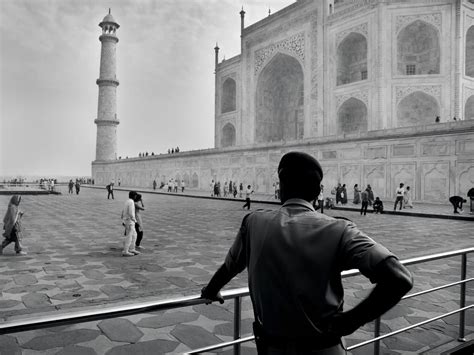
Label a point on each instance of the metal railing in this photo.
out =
(237, 295)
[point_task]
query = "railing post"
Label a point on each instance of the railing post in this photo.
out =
(237, 319)
(376, 335)
(462, 298)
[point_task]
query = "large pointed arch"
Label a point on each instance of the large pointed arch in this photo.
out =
(279, 100)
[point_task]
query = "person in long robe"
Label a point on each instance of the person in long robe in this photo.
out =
(357, 192)
(13, 229)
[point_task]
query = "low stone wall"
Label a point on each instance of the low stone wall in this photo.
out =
(436, 161)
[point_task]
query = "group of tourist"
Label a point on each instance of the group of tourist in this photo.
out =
(173, 150)
(228, 189)
(173, 185)
(71, 185)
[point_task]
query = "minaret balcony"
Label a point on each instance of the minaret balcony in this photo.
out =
(107, 82)
(102, 122)
(108, 37)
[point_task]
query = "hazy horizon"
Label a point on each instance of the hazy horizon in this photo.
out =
(49, 62)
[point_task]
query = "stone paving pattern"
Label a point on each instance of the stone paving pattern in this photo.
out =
(74, 262)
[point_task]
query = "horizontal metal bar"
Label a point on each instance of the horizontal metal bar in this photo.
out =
(417, 260)
(437, 288)
(432, 257)
(144, 307)
(408, 328)
(51, 320)
(221, 345)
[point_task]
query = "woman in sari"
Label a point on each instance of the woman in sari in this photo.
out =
(12, 225)
(357, 192)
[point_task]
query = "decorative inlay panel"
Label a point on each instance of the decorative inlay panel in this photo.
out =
(434, 19)
(362, 29)
(294, 45)
(433, 90)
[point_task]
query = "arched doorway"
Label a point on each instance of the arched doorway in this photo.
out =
(228, 135)
(470, 52)
(352, 116)
(469, 109)
(352, 59)
(418, 49)
(417, 108)
(228, 96)
(280, 100)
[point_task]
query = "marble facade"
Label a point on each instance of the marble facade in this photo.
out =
(357, 83)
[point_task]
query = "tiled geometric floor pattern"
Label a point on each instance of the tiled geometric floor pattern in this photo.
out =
(73, 261)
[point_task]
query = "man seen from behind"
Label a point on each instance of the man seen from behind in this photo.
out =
(295, 257)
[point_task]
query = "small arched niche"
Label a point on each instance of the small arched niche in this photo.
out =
(228, 95)
(418, 108)
(228, 135)
(352, 59)
(418, 49)
(352, 117)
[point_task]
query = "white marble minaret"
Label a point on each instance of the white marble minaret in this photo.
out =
(107, 122)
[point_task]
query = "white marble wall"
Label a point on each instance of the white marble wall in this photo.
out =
(436, 161)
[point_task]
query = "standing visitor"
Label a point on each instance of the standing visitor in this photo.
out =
(78, 187)
(175, 185)
(139, 206)
(344, 194)
(211, 187)
(71, 186)
(226, 187)
(320, 200)
(338, 193)
(110, 190)
(241, 189)
(154, 184)
(248, 192)
(13, 230)
(234, 188)
(183, 185)
(294, 258)
(119, 182)
(364, 198)
(230, 188)
(457, 202)
(357, 192)
(470, 194)
(407, 198)
(378, 206)
(400, 192)
(128, 221)
(371, 195)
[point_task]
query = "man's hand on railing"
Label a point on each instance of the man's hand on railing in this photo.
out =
(211, 297)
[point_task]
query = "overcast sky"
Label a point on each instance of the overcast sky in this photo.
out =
(49, 62)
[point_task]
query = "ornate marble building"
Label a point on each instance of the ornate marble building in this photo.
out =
(380, 91)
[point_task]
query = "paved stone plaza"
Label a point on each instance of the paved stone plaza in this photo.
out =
(73, 261)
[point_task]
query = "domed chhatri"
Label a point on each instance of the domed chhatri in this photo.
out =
(109, 20)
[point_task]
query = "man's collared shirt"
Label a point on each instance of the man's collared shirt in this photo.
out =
(294, 257)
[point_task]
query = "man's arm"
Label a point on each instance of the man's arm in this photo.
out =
(393, 281)
(235, 262)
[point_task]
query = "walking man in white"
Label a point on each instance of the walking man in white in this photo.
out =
(128, 221)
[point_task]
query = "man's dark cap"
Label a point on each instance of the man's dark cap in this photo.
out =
(295, 165)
